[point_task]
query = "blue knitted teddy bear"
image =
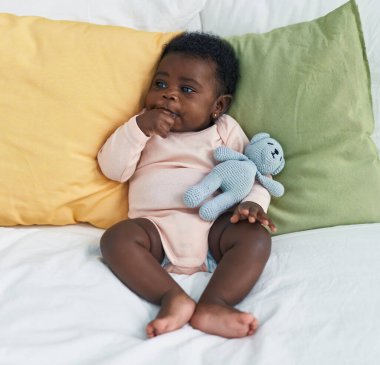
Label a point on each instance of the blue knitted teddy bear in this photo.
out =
(236, 174)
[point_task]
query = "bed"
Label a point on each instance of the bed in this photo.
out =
(317, 300)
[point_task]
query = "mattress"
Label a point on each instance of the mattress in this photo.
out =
(317, 302)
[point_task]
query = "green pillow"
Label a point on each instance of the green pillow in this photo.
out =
(308, 86)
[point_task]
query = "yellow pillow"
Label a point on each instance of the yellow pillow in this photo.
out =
(64, 87)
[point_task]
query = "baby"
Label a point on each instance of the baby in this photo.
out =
(162, 152)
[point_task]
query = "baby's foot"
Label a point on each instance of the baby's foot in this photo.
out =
(223, 320)
(176, 310)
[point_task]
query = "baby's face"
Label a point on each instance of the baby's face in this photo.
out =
(187, 88)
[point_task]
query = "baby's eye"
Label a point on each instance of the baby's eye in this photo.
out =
(160, 84)
(187, 90)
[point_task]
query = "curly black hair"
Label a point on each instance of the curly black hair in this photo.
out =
(209, 47)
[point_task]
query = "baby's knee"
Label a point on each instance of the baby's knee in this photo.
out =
(112, 239)
(128, 236)
(118, 236)
(255, 238)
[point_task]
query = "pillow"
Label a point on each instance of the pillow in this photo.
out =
(157, 15)
(308, 86)
(258, 16)
(245, 16)
(64, 87)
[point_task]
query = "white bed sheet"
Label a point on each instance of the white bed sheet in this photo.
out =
(317, 301)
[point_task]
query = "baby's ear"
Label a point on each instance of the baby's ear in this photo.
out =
(223, 103)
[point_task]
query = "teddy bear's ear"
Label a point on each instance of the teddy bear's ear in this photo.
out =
(259, 136)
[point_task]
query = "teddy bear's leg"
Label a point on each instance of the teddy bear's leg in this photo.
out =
(215, 207)
(197, 193)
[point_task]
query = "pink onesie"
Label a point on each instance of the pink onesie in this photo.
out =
(160, 171)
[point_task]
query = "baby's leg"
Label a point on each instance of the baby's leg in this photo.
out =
(133, 251)
(242, 250)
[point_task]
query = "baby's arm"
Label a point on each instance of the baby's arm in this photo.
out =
(120, 154)
(255, 205)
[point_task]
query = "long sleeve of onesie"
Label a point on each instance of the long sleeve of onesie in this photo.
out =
(119, 156)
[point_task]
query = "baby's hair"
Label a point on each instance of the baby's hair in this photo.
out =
(209, 47)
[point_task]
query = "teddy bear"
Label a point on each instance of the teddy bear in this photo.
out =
(236, 174)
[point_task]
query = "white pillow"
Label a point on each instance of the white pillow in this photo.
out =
(259, 16)
(59, 10)
(154, 15)
(236, 17)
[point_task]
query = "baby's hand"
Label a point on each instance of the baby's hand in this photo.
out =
(253, 212)
(156, 121)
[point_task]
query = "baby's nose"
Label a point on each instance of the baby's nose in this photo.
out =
(170, 96)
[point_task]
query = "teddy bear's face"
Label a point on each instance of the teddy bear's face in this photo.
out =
(267, 154)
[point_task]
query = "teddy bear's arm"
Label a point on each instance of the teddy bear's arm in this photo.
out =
(275, 188)
(223, 153)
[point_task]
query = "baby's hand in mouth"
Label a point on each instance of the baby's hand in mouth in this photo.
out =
(156, 122)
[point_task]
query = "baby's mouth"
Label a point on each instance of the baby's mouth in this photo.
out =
(173, 114)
